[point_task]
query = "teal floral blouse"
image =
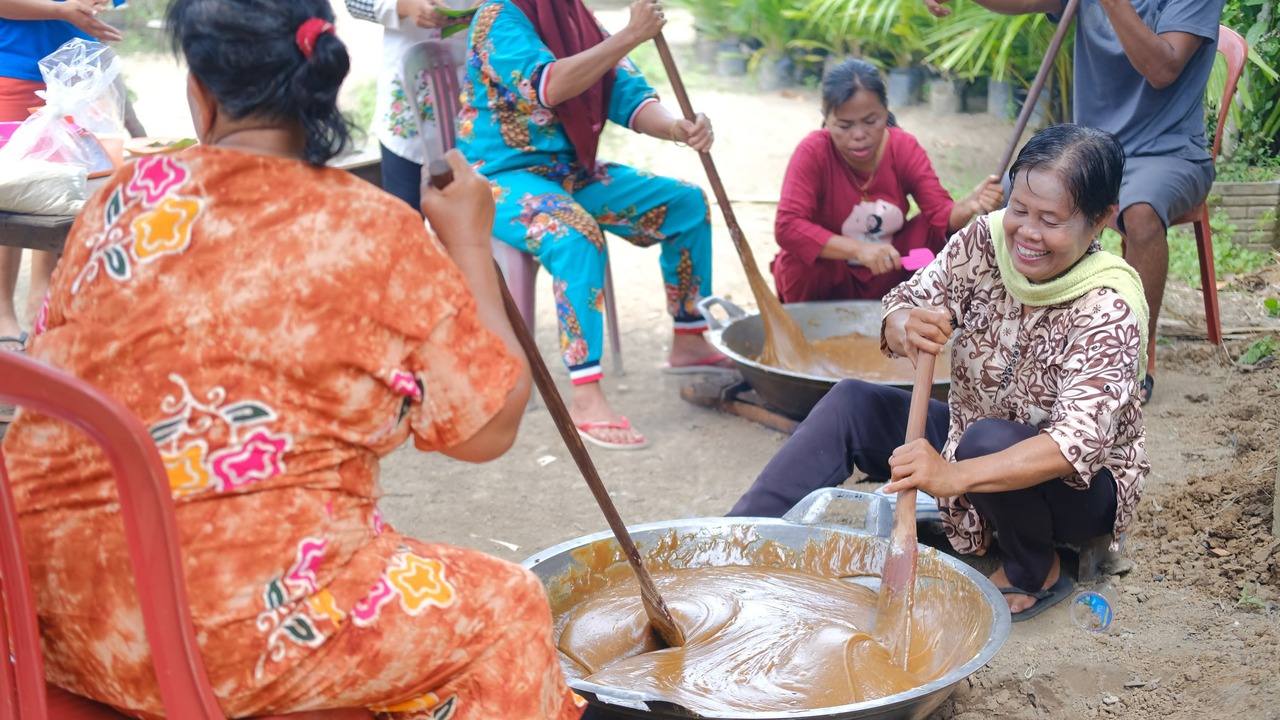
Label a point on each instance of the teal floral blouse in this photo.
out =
(504, 124)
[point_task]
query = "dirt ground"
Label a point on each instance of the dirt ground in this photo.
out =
(1195, 633)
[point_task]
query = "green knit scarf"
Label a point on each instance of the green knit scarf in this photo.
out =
(1095, 270)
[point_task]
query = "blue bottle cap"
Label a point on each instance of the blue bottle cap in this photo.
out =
(1091, 611)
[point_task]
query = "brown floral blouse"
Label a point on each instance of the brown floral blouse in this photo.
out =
(1069, 370)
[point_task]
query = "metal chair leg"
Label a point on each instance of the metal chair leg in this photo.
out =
(611, 319)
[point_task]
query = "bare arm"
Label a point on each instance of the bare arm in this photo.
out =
(985, 198)
(1026, 464)
(496, 437)
(574, 75)
(81, 13)
(657, 121)
(1004, 7)
(1160, 58)
(462, 216)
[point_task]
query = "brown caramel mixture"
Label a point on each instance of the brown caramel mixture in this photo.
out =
(764, 638)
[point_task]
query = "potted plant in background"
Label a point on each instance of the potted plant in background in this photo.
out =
(1007, 49)
(773, 24)
(710, 27)
(886, 30)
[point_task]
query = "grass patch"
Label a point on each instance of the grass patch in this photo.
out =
(1249, 598)
(1260, 350)
(1236, 172)
(1229, 258)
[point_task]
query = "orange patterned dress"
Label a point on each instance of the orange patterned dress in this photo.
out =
(278, 328)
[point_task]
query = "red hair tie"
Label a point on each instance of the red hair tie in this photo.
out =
(308, 32)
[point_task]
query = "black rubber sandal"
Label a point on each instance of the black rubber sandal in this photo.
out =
(1045, 599)
(1148, 388)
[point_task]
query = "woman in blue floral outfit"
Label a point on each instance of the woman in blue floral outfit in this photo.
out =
(542, 80)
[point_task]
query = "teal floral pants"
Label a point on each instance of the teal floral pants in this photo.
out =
(558, 213)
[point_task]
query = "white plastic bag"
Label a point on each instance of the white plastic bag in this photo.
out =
(82, 81)
(40, 187)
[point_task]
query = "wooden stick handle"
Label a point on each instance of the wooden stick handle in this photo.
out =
(659, 614)
(708, 165)
(917, 423)
(921, 392)
(1037, 86)
(440, 176)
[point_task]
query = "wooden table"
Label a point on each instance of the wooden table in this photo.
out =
(49, 232)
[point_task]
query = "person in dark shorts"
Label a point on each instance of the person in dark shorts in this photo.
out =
(1141, 67)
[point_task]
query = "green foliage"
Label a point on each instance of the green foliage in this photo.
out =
(975, 42)
(1264, 169)
(891, 31)
(1250, 599)
(140, 23)
(1229, 258)
(711, 17)
(1272, 306)
(1257, 116)
(1260, 350)
(363, 99)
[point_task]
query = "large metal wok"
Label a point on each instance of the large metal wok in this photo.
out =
(856, 523)
(741, 338)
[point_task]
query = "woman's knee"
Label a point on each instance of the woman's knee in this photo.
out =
(990, 436)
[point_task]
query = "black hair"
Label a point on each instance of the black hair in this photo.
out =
(841, 82)
(1089, 161)
(246, 53)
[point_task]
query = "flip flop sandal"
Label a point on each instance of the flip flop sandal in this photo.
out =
(714, 363)
(1045, 599)
(1148, 388)
(20, 340)
(585, 429)
(7, 343)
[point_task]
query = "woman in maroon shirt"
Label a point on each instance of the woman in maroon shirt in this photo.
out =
(841, 220)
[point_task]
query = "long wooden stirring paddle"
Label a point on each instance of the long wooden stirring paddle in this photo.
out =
(1037, 85)
(443, 81)
(898, 576)
(659, 615)
(784, 342)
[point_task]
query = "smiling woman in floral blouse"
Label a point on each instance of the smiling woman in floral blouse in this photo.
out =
(280, 326)
(1042, 440)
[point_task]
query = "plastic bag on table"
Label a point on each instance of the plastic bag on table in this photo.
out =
(84, 104)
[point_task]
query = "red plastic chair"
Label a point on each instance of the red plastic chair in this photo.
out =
(146, 507)
(1235, 50)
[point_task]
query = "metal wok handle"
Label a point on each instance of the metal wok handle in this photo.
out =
(833, 506)
(733, 311)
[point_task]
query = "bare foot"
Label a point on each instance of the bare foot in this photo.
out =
(588, 405)
(1017, 601)
(692, 350)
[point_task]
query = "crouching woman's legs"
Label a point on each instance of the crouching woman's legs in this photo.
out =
(1030, 521)
(857, 424)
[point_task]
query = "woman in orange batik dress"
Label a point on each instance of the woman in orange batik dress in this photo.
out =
(280, 326)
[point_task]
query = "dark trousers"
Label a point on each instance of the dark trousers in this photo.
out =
(859, 425)
(402, 178)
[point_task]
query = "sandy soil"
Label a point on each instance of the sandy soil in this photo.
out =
(1195, 634)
